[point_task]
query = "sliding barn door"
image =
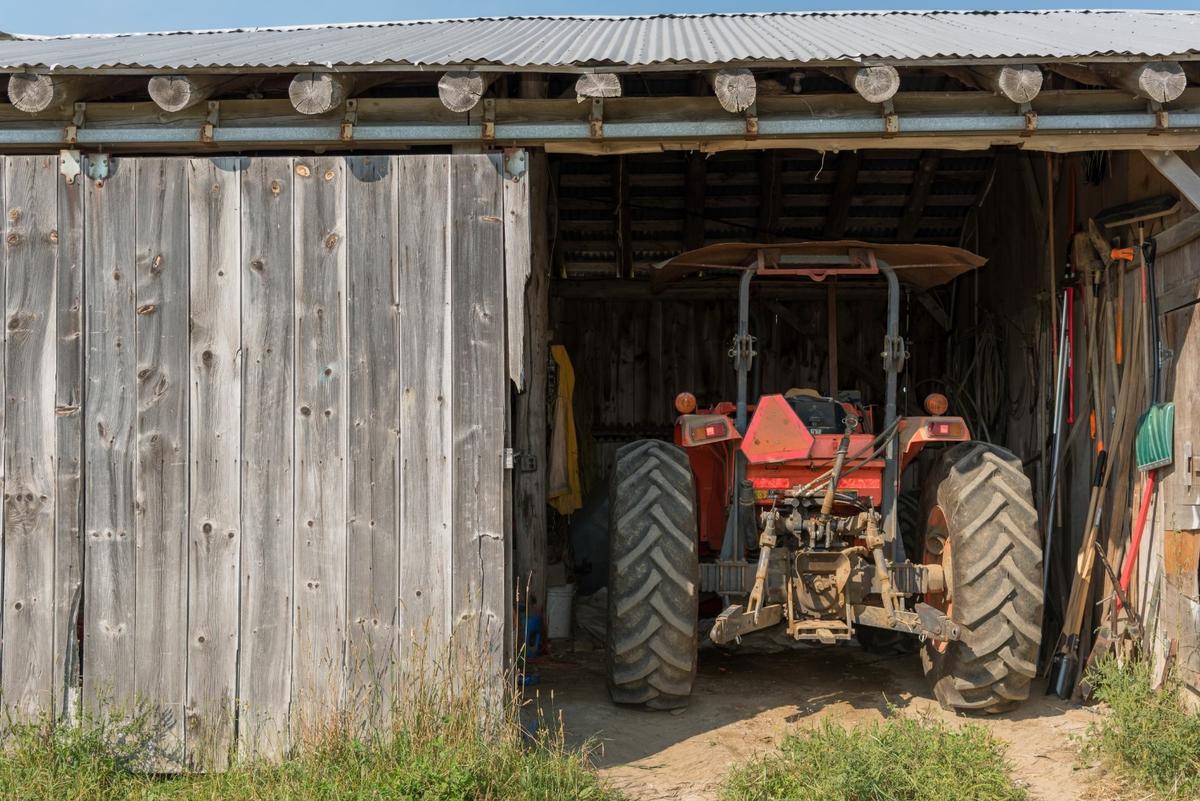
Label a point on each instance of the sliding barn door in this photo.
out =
(282, 383)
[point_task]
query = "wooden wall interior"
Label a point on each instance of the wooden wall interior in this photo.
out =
(253, 435)
(619, 215)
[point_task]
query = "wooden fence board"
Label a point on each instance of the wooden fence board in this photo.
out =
(109, 413)
(425, 400)
(214, 521)
(318, 640)
(68, 544)
(31, 218)
(374, 431)
(265, 652)
(161, 470)
(477, 314)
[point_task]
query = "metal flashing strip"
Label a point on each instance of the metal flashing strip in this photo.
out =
(531, 133)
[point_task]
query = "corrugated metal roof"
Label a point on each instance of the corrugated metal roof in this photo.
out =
(565, 42)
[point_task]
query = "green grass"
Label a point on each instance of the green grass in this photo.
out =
(435, 751)
(899, 759)
(1146, 739)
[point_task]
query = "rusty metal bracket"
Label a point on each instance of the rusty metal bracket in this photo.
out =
(891, 120)
(69, 165)
(349, 121)
(752, 121)
(1162, 117)
(488, 131)
(596, 118)
(211, 121)
(1031, 120)
(71, 134)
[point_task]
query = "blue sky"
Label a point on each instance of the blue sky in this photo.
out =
(73, 16)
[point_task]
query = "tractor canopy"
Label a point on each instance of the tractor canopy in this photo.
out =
(922, 266)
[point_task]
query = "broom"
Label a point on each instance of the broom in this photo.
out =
(1154, 446)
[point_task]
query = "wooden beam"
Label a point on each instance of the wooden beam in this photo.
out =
(35, 92)
(695, 186)
(532, 86)
(875, 84)
(918, 196)
(461, 90)
(734, 87)
(1178, 172)
(708, 288)
(1160, 81)
(597, 84)
(1079, 73)
(179, 92)
(320, 92)
(1020, 83)
(843, 192)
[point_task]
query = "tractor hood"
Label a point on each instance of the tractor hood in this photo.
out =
(922, 266)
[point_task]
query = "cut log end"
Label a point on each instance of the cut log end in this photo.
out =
(598, 84)
(735, 89)
(461, 90)
(1161, 81)
(876, 84)
(175, 92)
(319, 92)
(1019, 83)
(34, 92)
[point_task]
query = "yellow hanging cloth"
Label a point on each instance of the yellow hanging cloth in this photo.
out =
(562, 477)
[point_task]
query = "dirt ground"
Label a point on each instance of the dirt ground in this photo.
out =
(743, 704)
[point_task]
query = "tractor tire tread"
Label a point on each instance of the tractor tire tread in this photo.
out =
(996, 565)
(654, 576)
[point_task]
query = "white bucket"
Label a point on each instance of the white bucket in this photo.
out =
(558, 611)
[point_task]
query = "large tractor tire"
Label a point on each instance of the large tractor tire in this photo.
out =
(981, 526)
(654, 576)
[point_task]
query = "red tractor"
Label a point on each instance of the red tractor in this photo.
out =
(787, 510)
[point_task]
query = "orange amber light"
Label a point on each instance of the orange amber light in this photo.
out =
(685, 402)
(936, 403)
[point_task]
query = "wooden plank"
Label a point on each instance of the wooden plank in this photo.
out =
(68, 544)
(624, 216)
(770, 189)
(214, 418)
(426, 439)
(265, 648)
(374, 446)
(479, 607)
(161, 436)
(529, 432)
(109, 414)
(518, 255)
(318, 639)
(918, 197)
(31, 218)
(843, 193)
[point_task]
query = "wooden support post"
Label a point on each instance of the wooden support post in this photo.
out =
(734, 87)
(770, 190)
(320, 92)
(178, 92)
(843, 192)
(918, 196)
(1159, 81)
(875, 84)
(461, 90)
(597, 84)
(34, 92)
(623, 217)
(694, 191)
(529, 435)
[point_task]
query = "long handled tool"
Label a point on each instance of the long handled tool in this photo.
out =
(1066, 659)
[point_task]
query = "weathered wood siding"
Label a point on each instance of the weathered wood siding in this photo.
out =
(281, 385)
